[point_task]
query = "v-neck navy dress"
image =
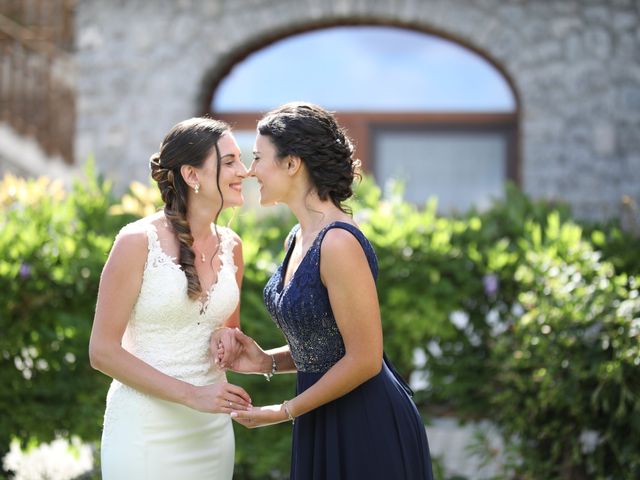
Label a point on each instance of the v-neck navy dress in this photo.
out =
(373, 432)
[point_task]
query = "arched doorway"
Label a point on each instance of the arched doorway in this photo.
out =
(419, 107)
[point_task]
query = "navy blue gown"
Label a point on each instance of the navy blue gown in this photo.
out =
(373, 432)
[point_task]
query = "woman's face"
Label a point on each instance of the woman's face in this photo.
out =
(232, 173)
(269, 171)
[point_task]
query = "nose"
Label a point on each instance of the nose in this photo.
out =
(242, 171)
(252, 169)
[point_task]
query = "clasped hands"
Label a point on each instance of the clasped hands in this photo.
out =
(232, 350)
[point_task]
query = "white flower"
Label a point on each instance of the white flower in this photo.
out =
(589, 440)
(53, 461)
(493, 316)
(419, 380)
(434, 349)
(629, 308)
(495, 322)
(459, 318)
(474, 339)
(517, 310)
(419, 358)
(498, 326)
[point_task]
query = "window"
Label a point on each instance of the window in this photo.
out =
(418, 107)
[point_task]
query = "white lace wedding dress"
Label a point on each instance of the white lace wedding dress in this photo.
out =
(148, 438)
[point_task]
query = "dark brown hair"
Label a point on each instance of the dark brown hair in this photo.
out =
(190, 142)
(312, 133)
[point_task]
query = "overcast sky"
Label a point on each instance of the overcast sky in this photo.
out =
(365, 68)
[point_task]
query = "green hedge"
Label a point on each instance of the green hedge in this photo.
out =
(52, 248)
(525, 317)
(567, 392)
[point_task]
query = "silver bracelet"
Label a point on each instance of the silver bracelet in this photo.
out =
(274, 369)
(285, 405)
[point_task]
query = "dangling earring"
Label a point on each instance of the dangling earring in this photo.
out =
(196, 188)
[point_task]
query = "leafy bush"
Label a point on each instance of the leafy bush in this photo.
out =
(486, 294)
(52, 248)
(524, 317)
(568, 382)
(53, 245)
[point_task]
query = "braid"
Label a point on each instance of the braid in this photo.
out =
(175, 209)
(177, 216)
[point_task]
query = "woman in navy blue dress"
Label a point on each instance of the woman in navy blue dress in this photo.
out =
(353, 417)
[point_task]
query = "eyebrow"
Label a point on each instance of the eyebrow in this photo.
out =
(230, 155)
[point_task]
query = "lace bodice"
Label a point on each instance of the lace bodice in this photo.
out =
(301, 308)
(170, 331)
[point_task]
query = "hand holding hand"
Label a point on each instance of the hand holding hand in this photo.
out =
(220, 397)
(223, 346)
(260, 416)
(241, 354)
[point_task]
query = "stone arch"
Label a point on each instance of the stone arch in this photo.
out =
(261, 40)
(241, 50)
(570, 65)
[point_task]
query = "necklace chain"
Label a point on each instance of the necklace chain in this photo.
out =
(203, 257)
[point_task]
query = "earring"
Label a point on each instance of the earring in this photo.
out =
(196, 188)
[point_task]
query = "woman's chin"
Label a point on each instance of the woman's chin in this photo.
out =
(235, 202)
(265, 202)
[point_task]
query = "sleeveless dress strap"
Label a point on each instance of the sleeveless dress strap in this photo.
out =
(227, 244)
(156, 256)
(292, 235)
(152, 236)
(364, 243)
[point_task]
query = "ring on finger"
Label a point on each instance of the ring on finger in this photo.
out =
(229, 402)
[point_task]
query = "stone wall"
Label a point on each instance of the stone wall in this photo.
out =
(574, 65)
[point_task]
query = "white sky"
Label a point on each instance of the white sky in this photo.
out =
(365, 68)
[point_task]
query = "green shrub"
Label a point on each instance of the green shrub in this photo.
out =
(568, 384)
(550, 353)
(476, 293)
(52, 248)
(457, 288)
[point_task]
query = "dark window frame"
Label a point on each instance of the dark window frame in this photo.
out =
(362, 128)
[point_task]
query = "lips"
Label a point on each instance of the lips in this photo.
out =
(236, 186)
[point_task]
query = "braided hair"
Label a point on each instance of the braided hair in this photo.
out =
(190, 142)
(312, 133)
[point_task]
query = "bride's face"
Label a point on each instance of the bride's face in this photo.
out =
(232, 173)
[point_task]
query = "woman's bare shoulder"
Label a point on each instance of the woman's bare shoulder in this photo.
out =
(133, 237)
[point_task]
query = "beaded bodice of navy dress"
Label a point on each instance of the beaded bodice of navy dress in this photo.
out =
(301, 308)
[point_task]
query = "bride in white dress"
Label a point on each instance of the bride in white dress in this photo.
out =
(171, 280)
